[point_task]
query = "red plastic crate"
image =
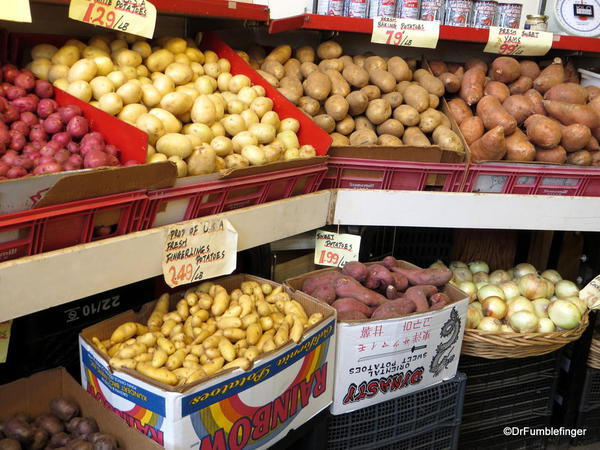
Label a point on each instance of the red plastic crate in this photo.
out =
(358, 173)
(172, 205)
(59, 226)
(533, 179)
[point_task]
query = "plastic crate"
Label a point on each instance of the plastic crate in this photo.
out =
(590, 398)
(492, 437)
(533, 179)
(356, 173)
(59, 226)
(589, 421)
(405, 422)
(172, 205)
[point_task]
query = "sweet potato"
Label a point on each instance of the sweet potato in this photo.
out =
(519, 107)
(438, 67)
(311, 283)
(567, 92)
(580, 158)
(471, 87)
(418, 297)
(439, 300)
(522, 85)
(378, 277)
(575, 137)
(593, 145)
(432, 277)
(392, 293)
(478, 63)
(497, 89)
(505, 69)
(494, 115)
(570, 113)
(351, 304)
(472, 129)
(518, 147)
(451, 82)
(551, 76)
(595, 104)
(356, 270)
(543, 131)
(571, 73)
(456, 67)
(592, 92)
(348, 287)
(390, 262)
(400, 281)
(491, 146)
(346, 316)
(595, 158)
(537, 101)
(394, 308)
(552, 155)
(529, 69)
(325, 293)
(459, 109)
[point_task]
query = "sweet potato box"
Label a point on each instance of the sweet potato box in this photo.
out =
(378, 360)
(234, 409)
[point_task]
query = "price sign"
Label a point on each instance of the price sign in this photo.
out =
(510, 41)
(334, 249)
(131, 16)
(591, 293)
(15, 10)
(405, 32)
(198, 250)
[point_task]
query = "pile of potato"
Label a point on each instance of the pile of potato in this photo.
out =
(210, 330)
(360, 100)
(524, 113)
(195, 112)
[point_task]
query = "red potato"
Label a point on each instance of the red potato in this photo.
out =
(518, 147)
(537, 101)
(459, 109)
(568, 93)
(310, 284)
(491, 146)
(394, 308)
(519, 107)
(575, 137)
(497, 89)
(570, 113)
(347, 316)
(351, 304)
(356, 270)
(551, 76)
(557, 155)
(349, 287)
(505, 69)
(494, 115)
(472, 129)
(522, 85)
(543, 131)
(529, 69)
(471, 88)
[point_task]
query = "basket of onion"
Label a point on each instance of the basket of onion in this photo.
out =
(518, 313)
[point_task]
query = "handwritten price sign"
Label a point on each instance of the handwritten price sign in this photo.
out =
(510, 41)
(333, 249)
(15, 10)
(198, 250)
(131, 16)
(405, 32)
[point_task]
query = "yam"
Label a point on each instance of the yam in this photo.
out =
(595, 158)
(349, 287)
(593, 145)
(570, 113)
(494, 115)
(394, 308)
(438, 67)
(345, 304)
(568, 93)
(491, 146)
(497, 89)
(529, 69)
(580, 158)
(459, 109)
(321, 279)
(551, 76)
(543, 131)
(347, 316)
(476, 63)
(575, 137)
(519, 107)
(537, 101)
(592, 92)
(415, 137)
(451, 82)
(557, 155)
(471, 87)
(505, 69)
(518, 147)
(571, 73)
(472, 129)
(522, 85)
(356, 270)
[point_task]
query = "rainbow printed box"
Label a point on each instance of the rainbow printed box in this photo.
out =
(236, 409)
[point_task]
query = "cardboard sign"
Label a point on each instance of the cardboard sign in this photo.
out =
(510, 41)
(130, 16)
(334, 249)
(15, 10)
(197, 250)
(405, 32)
(4, 339)
(591, 294)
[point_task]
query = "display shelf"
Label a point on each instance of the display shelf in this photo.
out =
(448, 33)
(211, 8)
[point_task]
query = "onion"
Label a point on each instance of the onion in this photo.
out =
(523, 269)
(489, 324)
(510, 289)
(438, 265)
(494, 307)
(551, 275)
(481, 284)
(468, 288)
(566, 288)
(479, 266)
(511, 273)
(474, 317)
(549, 288)
(456, 264)
(540, 307)
(499, 276)
(581, 305)
(462, 274)
(506, 329)
(532, 286)
(545, 325)
(481, 276)
(477, 305)
(524, 322)
(489, 290)
(520, 304)
(564, 314)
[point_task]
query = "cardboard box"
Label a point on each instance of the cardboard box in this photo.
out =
(234, 409)
(379, 360)
(32, 395)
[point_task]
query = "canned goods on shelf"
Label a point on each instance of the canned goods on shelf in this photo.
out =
(458, 12)
(330, 7)
(379, 8)
(484, 12)
(536, 22)
(408, 9)
(509, 15)
(356, 8)
(431, 10)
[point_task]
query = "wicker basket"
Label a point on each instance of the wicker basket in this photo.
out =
(486, 344)
(594, 356)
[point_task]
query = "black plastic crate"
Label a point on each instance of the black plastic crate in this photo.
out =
(493, 437)
(590, 399)
(589, 421)
(397, 422)
(440, 438)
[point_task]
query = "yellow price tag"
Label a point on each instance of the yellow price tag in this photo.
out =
(510, 41)
(130, 16)
(15, 10)
(405, 32)
(4, 339)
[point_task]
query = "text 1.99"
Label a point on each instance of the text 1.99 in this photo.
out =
(331, 259)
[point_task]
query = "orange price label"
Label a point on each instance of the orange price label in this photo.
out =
(513, 42)
(334, 249)
(130, 16)
(197, 250)
(405, 32)
(15, 10)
